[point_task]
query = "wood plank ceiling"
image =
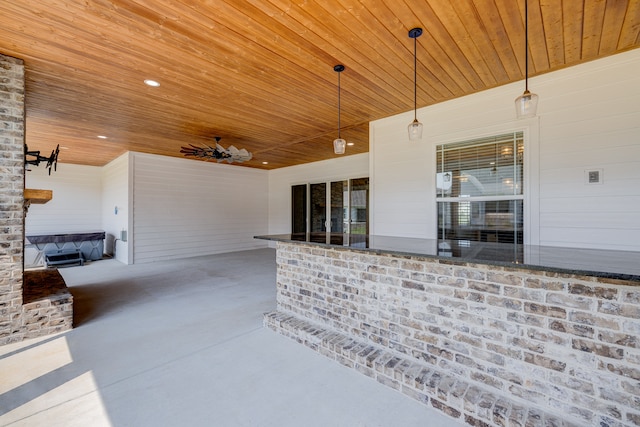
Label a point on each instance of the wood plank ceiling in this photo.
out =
(259, 73)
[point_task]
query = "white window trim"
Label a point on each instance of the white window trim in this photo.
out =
(531, 197)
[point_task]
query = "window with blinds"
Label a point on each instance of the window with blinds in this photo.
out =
(479, 189)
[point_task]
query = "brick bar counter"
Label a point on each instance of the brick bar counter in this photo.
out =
(490, 334)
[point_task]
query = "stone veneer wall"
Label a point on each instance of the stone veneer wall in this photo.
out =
(47, 304)
(488, 345)
(11, 196)
(46, 312)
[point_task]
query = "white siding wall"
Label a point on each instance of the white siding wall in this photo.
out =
(115, 206)
(401, 195)
(184, 208)
(76, 204)
(593, 122)
(588, 118)
(281, 180)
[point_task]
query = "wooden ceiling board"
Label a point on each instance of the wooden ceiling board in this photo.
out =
(572, 25)
(630, 33)
(592, 27)
(446, 38)
(612, 26)
(499, 26)
(259, 73)
(475, 60)
(538, 49)
(551, 15)
(434, 60)
(337, 39)
(482, 33)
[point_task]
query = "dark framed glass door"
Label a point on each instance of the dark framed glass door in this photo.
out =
(339, 207)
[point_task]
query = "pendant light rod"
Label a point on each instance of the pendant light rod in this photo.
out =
(415, 127)
(527, 103)
(414, 33)
(339, 144)
(415, 78)
(526, 45)
(339, 69)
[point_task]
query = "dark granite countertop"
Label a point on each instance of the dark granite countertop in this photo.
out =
(65, 237)
(602, 263)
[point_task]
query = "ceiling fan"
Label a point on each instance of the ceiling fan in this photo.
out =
(218, 153)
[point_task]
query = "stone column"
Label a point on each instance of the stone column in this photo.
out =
(12, 118)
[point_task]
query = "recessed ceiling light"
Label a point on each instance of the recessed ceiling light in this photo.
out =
(350, 143)
(151, 83)
(102, 137)
(265, 163)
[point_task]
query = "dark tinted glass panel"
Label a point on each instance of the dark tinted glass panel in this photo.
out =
(485, 221)
(359, 206)
(338, 203)
(299, 208)
(318, 212)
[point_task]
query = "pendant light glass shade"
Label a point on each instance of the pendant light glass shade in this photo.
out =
(339, 144)
(415, 131)
(527, 103)
(415, 127)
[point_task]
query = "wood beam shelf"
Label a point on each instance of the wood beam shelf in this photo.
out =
(37, 196)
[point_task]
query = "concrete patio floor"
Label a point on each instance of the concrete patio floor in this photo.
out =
(181, 343)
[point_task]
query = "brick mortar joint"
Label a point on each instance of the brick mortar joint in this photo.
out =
(523, 272)
(304, 273)
(13, 71)
(497, 395)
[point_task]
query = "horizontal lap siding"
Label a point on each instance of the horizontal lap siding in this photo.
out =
(588, 118)
(77, 202)
(591, 125)
(184, 208)
(115, 194)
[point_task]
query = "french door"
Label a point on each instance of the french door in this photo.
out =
(337, 207)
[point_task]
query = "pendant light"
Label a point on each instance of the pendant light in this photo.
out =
(415, 127)
(339, 144)
(527, 103)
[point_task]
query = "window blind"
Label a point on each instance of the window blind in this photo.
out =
(481, 167)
